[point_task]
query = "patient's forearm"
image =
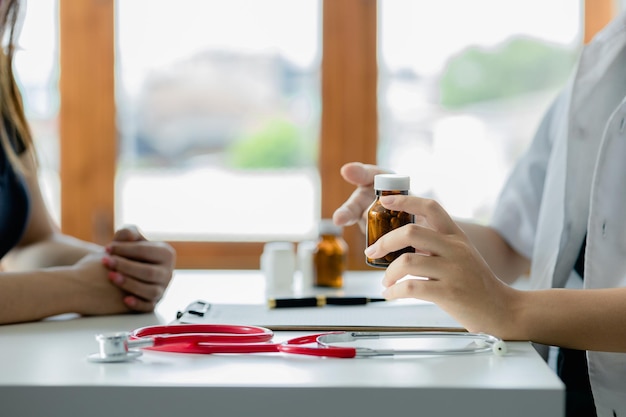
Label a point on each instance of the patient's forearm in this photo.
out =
(58, 250)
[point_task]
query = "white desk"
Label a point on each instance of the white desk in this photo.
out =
(44, 372)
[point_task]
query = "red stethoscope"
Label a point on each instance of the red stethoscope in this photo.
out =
(223, 338)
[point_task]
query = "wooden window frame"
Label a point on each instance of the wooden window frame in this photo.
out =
(349, 123)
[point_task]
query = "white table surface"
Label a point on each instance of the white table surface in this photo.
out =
(44, 371)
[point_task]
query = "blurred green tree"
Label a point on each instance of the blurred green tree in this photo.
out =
(521, 65)
(279, 144)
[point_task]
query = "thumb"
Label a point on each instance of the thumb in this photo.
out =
(360, 174)
(128, 234)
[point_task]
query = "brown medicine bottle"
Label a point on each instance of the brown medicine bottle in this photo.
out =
(381, 221)
(329, 256)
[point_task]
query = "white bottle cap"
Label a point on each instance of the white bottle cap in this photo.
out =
(391, 182)
(327, 227)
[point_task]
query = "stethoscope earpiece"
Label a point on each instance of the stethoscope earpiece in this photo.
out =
(499, 348)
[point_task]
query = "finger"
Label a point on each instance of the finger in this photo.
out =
(360, 174)
(139, 288)
(143, 290)
(144, 251)
(415, 265)
(352, 210)
(423, 239)
(145, 272)
(128, 233)
(138, 304)
(430, 210)
(412, 287)
(133, 285)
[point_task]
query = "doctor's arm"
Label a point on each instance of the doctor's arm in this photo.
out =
(461, 282)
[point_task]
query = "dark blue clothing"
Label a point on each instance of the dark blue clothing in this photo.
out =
(572, 369)
(14, 198)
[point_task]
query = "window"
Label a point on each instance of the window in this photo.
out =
(219, 119)
(462, 91)
(94, 132)
(36, 70)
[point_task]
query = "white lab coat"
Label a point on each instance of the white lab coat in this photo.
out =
(572, 181)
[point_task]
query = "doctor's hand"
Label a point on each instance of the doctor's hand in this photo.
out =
(446, 269)
(355, 207)
(141, 268)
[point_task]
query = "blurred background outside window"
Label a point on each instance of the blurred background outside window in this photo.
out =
(462, 88)
(219, 105)
(37, 70)
(219, 111)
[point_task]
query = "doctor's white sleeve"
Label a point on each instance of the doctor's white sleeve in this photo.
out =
(517, 209)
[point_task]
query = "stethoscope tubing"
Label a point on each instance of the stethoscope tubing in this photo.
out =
(224, 338)
(203, 333)
(209, 339)
(295, 346)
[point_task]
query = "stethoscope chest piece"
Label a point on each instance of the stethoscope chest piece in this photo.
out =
(113, 348)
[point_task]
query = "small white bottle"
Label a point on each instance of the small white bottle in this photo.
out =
(304, 257)
(278, 264)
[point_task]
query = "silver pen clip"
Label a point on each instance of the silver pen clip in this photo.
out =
(198, 308)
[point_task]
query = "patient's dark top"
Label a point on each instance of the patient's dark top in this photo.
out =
(14, 198)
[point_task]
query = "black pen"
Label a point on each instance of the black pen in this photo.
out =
(319, 301)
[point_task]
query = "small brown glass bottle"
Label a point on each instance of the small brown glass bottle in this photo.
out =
(330, 256)
(381, 221)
